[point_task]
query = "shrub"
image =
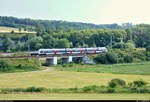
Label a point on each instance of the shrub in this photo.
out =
(4, 65)
(71, 64)
(74, 89)
(139, 90)
(139, 83)
(128, 58)
(19, 66)
(101, 58)
(110, 90)
(89, 88)
(111, 57)
(106, 58)
(64, 65)
(34, 89)
(116, 82)
(18, 90)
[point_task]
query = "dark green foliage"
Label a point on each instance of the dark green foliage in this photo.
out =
(34, 89)
(19, 90)
(111, 90)
(128, 58)
(19, 66)
(139, 90)
(120, 45)
(148, 49)
(64, 65)
(4, 66)
(106, 58)
(116, 82)
(139, 83)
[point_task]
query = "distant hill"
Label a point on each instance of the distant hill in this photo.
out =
(31, 23)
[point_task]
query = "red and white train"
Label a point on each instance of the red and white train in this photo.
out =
(71, 51)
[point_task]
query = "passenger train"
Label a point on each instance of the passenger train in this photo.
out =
(70, 51)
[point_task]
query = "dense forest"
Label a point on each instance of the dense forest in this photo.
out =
(129, 38)
(49, 37)
(30, 24)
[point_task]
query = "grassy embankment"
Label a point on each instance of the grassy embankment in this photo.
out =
(21, 65)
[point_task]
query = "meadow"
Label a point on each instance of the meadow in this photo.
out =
(62, 79)
(142, 68)
(71, 76)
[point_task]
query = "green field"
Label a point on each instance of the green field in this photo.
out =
(142, 68)
(53, 96)
(62, 79)
(71, 77)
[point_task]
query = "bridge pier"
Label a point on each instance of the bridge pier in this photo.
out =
(51, 61)
(66, 60)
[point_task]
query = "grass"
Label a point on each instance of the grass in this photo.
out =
(142, 68)
(54, 96)
(62, 79)
(25, 65)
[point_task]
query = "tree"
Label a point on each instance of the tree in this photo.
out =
(50, 29)
(6, 44)
(35, 42)
(130, 45)
(62, 43)
(40, 29)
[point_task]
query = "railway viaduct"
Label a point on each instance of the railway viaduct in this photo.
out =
(53, 59)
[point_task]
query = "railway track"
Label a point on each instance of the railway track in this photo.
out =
(43, 56)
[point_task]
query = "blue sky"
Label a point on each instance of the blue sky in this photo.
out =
(89, 11)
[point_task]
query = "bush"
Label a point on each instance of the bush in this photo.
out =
(64, 65)
(4, 66)
(34, 89)
(19, 90)
(128, 58)
(111, 57)
(101, 58)
(19, 66)
(139, 83)
(89, 88)
(139, 90)
(74, 89)
(111, 90)
(106, 58)
(116, 82)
